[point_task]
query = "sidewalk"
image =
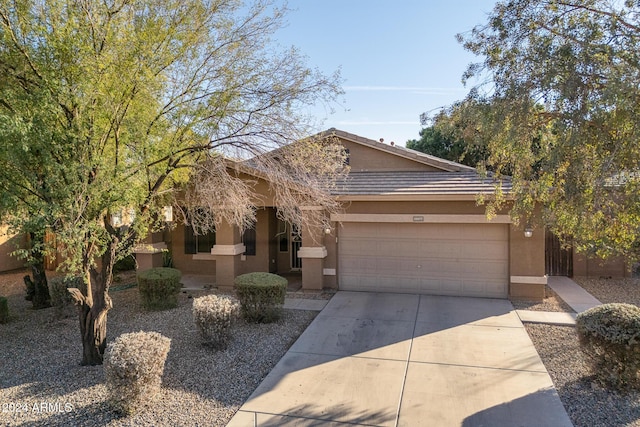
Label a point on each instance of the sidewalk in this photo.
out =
(571, 293)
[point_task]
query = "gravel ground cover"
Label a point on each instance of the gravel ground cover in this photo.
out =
(39, 369)
(587, 403)
(42, 384)
(612, 290)
(551, 302)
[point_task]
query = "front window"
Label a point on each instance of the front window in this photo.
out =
(194, 243)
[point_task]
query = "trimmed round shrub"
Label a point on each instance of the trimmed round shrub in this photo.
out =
(133, 367)
(61, 299)
(159, 288)
(214, 315)
(261, 296)
(4, 310)
(610, 338)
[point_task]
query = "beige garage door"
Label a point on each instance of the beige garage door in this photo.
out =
(440, 259)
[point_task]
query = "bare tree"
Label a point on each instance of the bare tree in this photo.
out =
(300, 174)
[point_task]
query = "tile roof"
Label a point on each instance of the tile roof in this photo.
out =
(418, 183)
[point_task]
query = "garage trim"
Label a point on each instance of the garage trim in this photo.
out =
(425, 218)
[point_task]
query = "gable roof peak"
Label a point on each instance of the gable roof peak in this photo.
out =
(436, 162)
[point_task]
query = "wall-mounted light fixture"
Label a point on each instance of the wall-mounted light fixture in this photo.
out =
(528, 232)
(167, 213)
(327, 230)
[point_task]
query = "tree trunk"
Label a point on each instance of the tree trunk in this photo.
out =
(93, 307)
(38, 288)
(93, 329)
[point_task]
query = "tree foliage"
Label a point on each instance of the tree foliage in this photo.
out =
(558, 109)
(447, 146)
(111, 105)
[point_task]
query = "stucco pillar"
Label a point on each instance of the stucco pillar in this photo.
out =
(312, 252)
(149, 253)
(527, 263)
(227, 252)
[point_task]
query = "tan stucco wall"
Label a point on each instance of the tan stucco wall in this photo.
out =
(526, 264)
(283, 258)
(597, 267)
(421, 207)
(260, 261)
(526, 253)
(363, 158)
(8, 244)
(330, 279)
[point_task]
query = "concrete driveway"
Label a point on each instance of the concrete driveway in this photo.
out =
(406, 360)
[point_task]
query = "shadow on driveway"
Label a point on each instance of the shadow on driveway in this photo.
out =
(409, 360)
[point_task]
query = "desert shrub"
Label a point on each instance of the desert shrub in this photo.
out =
(214, 315)
(61, 299)
(167, 258)
(610, 338)
(4, 310)
(261, 296)
(159, 287)
(133, 367)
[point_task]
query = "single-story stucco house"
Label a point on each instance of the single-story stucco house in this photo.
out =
(410, 224)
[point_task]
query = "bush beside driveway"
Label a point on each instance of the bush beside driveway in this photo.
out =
(587, 403)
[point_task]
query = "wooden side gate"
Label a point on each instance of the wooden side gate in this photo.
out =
(558, 260)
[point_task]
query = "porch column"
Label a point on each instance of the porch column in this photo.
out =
(227, 251)
(312, 252)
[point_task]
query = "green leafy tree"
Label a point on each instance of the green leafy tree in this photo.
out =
(112, 106)
(559, 112)
(446, 146)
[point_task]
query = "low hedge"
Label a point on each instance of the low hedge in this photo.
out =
(4, 310)
(261, 296)
(610, 338)
(159, 287)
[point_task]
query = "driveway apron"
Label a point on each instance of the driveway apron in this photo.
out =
(382, 359)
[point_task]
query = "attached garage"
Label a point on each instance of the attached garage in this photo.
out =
(428, 258)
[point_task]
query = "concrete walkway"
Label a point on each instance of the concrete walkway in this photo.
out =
(571, 293)
(547, 317)
(407, 360)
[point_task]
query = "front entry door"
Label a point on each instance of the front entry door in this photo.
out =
(296, 243)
